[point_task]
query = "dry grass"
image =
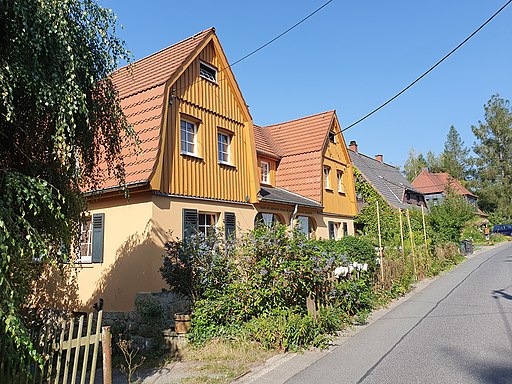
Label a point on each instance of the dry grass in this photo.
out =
(222, 361)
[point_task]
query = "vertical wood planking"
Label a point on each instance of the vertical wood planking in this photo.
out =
(97, 336)
(77, 349)
(67, 346)
(59, 353)
(86, 350)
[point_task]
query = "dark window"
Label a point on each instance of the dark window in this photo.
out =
(190, 222)
(208, 72)
(345, 229)
(332, 137)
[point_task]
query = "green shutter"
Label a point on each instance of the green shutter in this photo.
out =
(190, 219)
(98, 229)
(230, 224)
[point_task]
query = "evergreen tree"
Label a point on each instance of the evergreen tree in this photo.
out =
(455, 157)
(493, 162)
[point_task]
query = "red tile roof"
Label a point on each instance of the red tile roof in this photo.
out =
(141, 88)
(427, 182)
(300, 145)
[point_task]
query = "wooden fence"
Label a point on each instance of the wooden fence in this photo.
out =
(69, 354)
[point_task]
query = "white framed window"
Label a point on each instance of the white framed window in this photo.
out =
(306, 225)
(85, 242)
(265, 172)
(207, 72)
(340, 182)
(188, 136)
(223, 146)
(207, 223)
(333, 230)
(327, 184)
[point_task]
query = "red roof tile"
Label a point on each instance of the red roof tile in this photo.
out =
(427, 182)
(141, 88)
(300, 145)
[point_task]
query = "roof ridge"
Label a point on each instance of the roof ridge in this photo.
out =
(298, 119)
(371, 158)
(166, 48)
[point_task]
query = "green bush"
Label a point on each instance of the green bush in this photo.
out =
(448, 219)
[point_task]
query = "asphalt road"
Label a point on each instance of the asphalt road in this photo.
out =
(456, 330)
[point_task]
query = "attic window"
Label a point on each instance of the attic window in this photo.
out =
(332, 137)
(208, 72)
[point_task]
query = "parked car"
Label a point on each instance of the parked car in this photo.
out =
(504, 229)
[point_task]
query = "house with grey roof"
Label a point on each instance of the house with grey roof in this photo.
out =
(386, 179)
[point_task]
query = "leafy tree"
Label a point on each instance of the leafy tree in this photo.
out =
(455, 157)
(433, 162)
(448, 218)
(59, 117)
(414, 164)
(493, 165)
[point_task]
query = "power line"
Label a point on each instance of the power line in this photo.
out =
(280, 35)
(429, 70)
(267, 43)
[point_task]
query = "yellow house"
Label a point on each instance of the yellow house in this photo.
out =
(198, 166)
(306, 176)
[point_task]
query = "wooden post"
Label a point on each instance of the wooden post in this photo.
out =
(106, 343)
(401, 230)
(412, 243)
(424, 226)
(380, 245)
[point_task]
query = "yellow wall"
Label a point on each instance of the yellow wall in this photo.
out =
(336, 157)
(273, 165)
(212, 106)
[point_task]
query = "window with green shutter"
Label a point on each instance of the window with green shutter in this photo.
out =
(230, 224)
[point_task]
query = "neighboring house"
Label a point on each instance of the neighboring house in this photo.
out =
(386, 179)
(435, 185)
(306, 174)
(197, 168)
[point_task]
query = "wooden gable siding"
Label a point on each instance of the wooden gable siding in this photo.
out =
(336, 157)
(213, 106)
(272, 168)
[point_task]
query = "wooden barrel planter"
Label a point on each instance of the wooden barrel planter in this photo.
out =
(182, 323)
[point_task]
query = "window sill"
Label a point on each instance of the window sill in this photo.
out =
(329, 190)
(227, 165)
(342, 193)
(191, 156)
(209, 80)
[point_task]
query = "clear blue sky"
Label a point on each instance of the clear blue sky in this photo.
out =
(351, 56)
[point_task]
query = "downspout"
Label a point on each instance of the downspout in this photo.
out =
(294, 214)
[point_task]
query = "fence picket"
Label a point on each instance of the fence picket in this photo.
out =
(97, 337)
(87, 345)
(59, 353)
(77, 349)
(68, 352)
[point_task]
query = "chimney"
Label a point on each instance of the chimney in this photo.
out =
(379, 158)
(353, 146)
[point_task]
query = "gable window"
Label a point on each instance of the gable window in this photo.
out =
(208, 72)
(265, 172)
(90, 242)
(332, 137)
(327, 184)
(223, 144)
(340, 182)
(188, 135)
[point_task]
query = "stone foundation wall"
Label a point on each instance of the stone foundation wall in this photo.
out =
(152, 319)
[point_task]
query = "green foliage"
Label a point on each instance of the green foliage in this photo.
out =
(493, 166)
(198, 265)
(389, 220)
(149, 308)
(455, 157)
(414, 164)
(59, 116)
(448, 218)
